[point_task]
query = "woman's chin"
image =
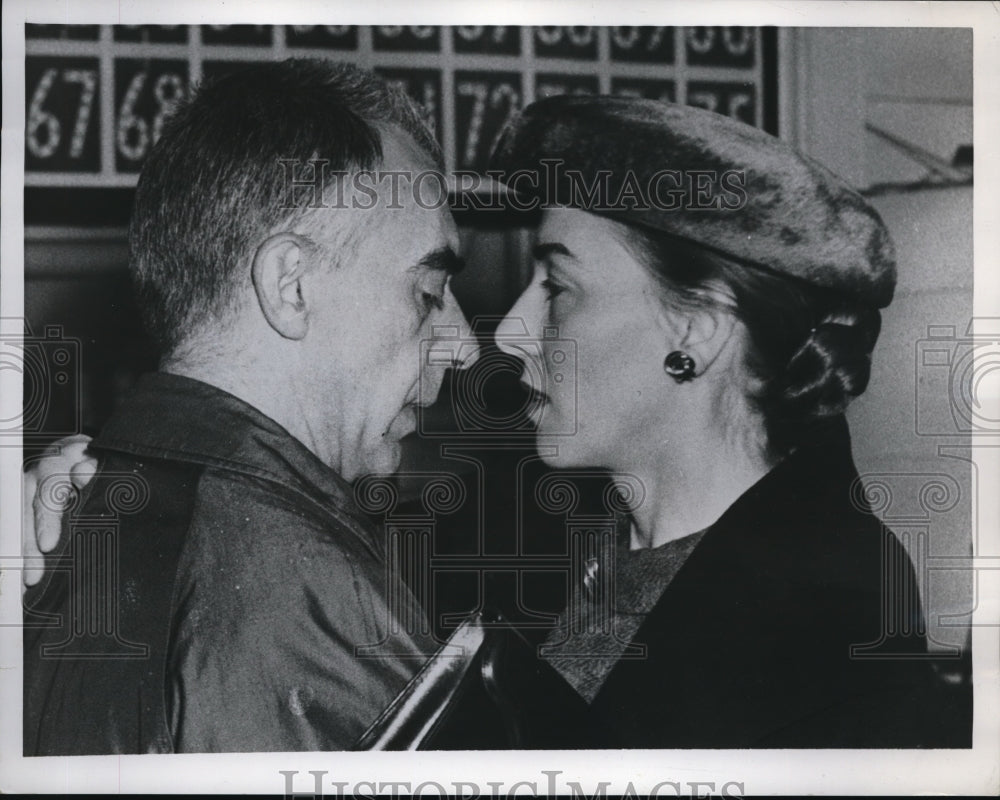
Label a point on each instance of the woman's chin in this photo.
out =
(564, 450)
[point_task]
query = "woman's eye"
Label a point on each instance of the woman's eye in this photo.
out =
(552, 288)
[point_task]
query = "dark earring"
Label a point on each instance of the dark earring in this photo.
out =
(679, 366)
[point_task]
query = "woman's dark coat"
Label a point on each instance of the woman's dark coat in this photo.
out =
(796, 622)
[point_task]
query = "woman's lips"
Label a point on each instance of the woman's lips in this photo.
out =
(535, 399)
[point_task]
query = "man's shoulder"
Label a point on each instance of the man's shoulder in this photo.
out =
(224, 457)
(275, 511)
(204, 527)
(166, 496)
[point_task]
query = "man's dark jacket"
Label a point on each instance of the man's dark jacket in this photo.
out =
(796, 622)
(216, 592)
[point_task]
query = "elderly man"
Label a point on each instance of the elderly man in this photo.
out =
(248, 583)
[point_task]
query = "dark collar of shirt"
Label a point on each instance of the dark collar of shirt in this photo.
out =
(182, 419)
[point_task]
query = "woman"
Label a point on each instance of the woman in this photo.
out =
(723, 294)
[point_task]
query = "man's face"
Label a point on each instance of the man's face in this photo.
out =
(389, 293)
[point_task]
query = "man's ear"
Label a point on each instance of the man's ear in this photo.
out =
(702, 332)
(279, 266)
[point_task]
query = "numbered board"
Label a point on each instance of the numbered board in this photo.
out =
(97, 96)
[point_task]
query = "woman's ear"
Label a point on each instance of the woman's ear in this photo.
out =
(702, 331)
(279, 266)
(709, 331)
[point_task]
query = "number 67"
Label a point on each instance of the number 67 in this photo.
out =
(39, 118)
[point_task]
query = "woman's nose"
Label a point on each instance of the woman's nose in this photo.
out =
(514, 334)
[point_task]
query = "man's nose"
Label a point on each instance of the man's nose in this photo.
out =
(455, 345)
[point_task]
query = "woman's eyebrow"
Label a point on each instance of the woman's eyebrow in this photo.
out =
(543, 250)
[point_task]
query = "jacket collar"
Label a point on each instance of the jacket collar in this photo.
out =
(181, 419)
(785, 516)
(815, 474)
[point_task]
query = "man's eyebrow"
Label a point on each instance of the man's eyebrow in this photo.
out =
(445, 259)
(543, 250)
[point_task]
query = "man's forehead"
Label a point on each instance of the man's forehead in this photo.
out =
(401, 152)
(393, 233)
(401, 204)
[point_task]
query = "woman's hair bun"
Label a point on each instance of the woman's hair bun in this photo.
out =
(829, 369)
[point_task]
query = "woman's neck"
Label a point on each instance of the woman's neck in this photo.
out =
(689, 486)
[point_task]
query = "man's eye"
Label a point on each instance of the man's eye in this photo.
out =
(552, 288)
(432, 300)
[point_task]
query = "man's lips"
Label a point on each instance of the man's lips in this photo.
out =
(404, 423)
(411, 411)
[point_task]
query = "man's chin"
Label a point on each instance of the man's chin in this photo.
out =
(386, 458)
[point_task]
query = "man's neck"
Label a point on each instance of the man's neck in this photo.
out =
(259, 386)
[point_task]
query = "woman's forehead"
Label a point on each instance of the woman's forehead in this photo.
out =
(595, 245)
(568, 222)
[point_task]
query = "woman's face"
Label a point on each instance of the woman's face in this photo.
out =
(590, 331)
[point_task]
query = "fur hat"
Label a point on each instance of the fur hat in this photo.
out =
(705, 178)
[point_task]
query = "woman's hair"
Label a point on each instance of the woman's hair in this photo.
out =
(809, 348)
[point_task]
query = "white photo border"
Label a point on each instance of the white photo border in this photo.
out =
(973, 771)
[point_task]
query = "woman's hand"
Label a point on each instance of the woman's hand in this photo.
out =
(41, 522)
